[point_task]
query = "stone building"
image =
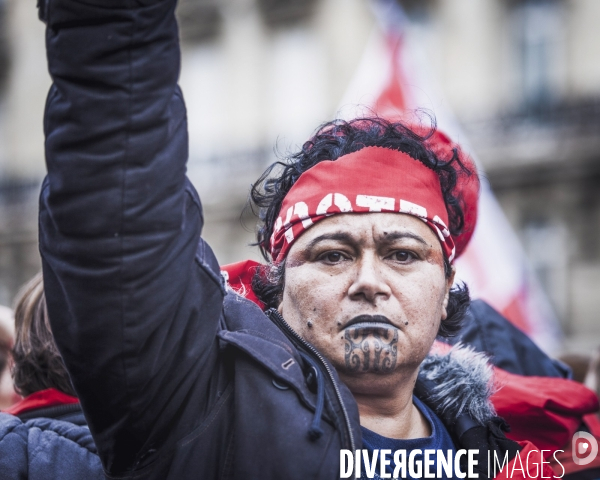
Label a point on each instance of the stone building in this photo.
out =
(522, 76)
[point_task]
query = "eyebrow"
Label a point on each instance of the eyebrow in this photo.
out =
(347, 238)
(339, 236)
(392, 236)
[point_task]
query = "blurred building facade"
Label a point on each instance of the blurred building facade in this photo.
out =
(523, 77)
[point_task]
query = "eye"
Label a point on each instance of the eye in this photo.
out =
(332, 257)
(402, 256)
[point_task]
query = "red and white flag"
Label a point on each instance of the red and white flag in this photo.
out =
(394, 80)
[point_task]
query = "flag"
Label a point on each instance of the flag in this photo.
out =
(393, 80)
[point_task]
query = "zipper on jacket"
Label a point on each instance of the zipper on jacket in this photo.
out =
(289, 330)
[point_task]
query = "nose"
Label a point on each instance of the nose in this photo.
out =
(369, 282)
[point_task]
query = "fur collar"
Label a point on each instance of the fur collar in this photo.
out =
(462, 383)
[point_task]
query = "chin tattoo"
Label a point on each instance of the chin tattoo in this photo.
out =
(371, 349)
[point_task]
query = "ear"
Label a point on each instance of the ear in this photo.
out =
(449, 283)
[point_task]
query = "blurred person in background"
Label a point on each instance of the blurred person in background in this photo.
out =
(8, 396)
(44, 435)
(586, 370)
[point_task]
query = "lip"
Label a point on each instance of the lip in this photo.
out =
(369, 321)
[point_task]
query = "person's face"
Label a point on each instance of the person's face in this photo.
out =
(368, 291)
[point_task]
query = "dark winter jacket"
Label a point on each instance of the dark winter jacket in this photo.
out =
(51, 444)
(486, 330)
(178, 377)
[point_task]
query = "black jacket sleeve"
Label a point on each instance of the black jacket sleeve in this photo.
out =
(134, 296)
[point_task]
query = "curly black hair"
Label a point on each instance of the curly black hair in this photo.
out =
(331, 141)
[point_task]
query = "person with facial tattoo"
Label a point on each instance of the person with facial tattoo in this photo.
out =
(361, 252)
(187, 370)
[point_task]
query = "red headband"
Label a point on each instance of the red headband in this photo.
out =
(374, 179)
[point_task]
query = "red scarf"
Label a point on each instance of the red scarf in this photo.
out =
(42, 399)
(373, 179)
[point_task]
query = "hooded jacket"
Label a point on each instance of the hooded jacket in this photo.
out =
(45, 437)
(178, 377)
